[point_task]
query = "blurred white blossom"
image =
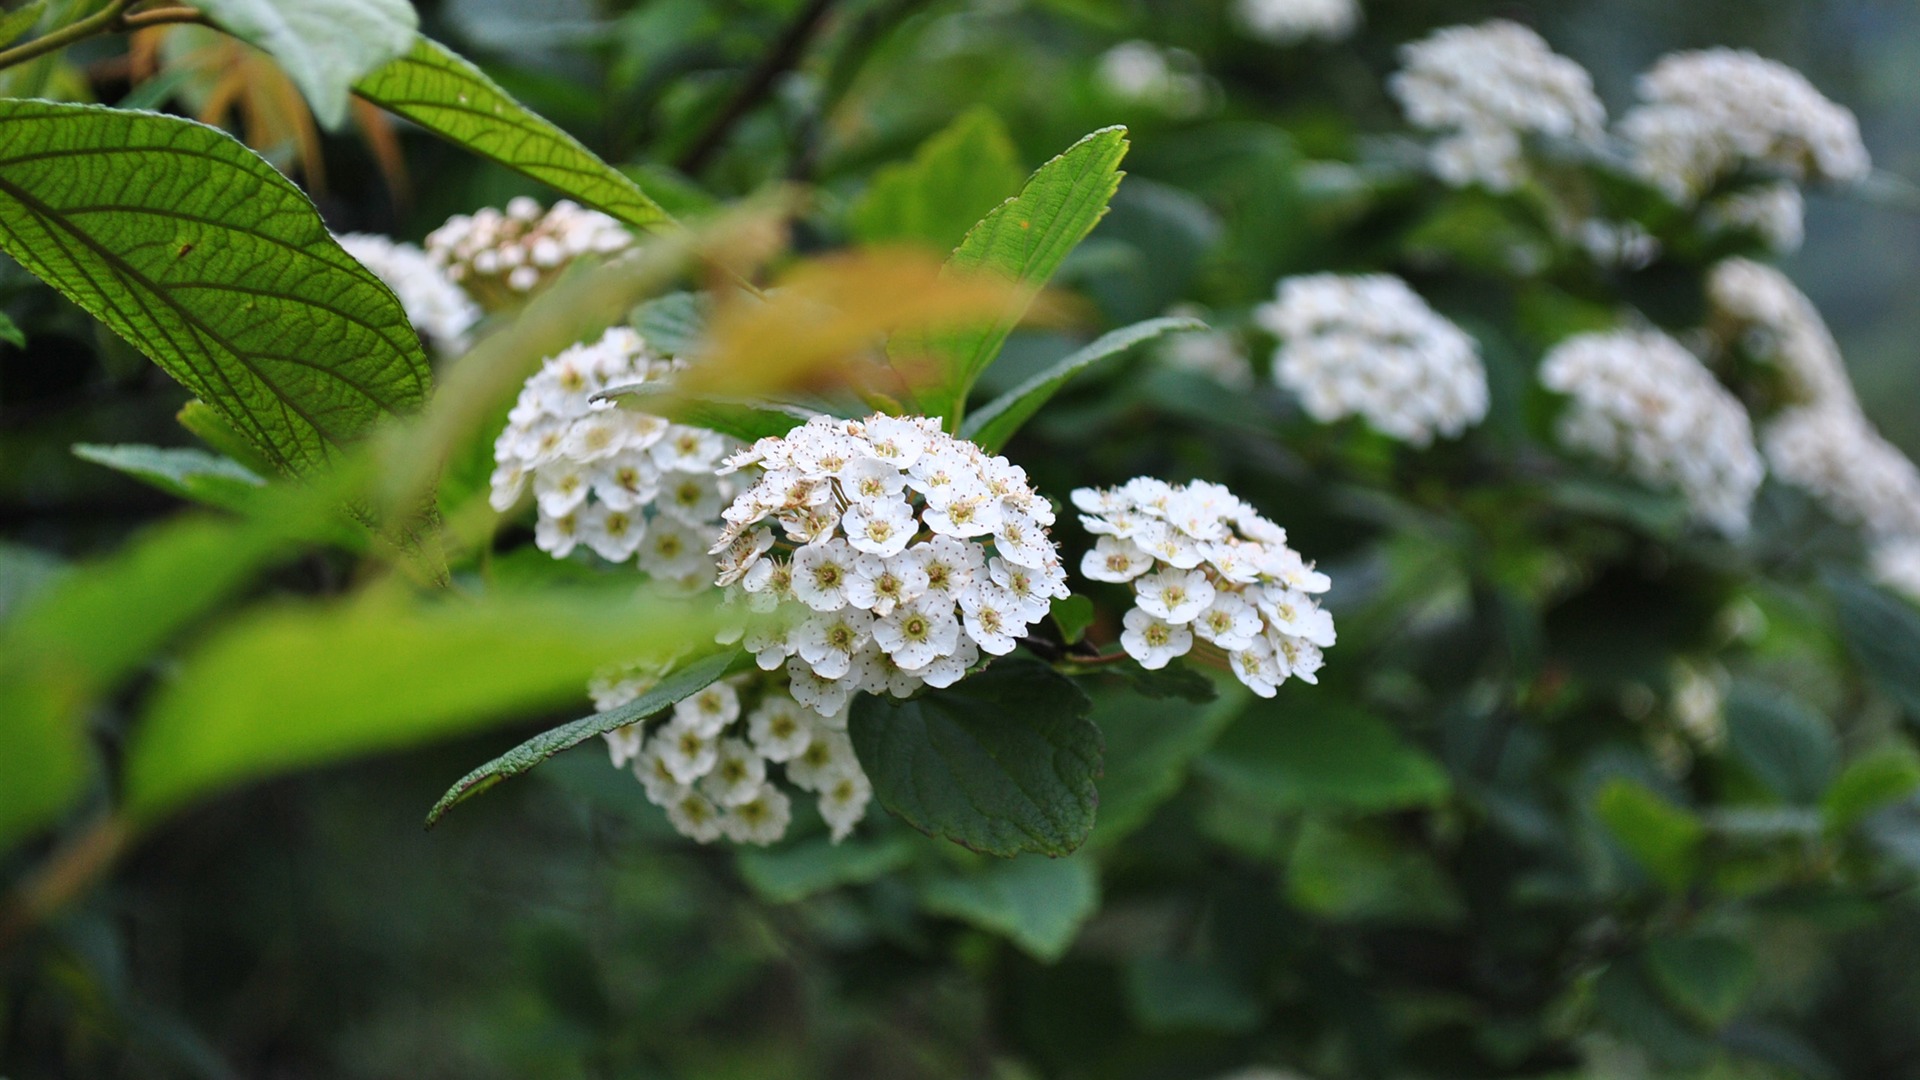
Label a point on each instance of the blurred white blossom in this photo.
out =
(1369, 346)
(1709, 115)
(1896, 564)
(1644, 403)
(437, 308)
(1776, 324)
(497, 256)
(1289, 22)
(1831, 451)
(1203, 564)
(1484, 89)
(1164, 78)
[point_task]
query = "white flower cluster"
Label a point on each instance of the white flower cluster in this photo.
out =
(1204, 564)
(1485, 88)
(1708, 113)
(1775, 212)
(1776, 324)
(1289, 22)
(498, 257)
(1369, 345)
(883, 554)
(1823, 442)
(1832, 452)
(619, 481)
(710, 764)
(438, 309)
(1643, 402)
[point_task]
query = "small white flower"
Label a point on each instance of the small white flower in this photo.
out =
(868, 479)
(879, 585)
(1229, 622)
(992, 619)
(1151, 641)
(557, 535)
(673, 551)
(829, 640)
(820, 574)
(882, 528)
(760, 820)
(779, 728)
(1116, 560)
(843, 803)
(687, 752)
(709, 711)
(824, 696)
(1296, 614)
(662, 787)
(1174, 596)
(624, 743)
(828, 754)
(614, 535)
(689, 450)
(695, 816)
(918, 632)
(738, 774)
(559, 488)
(950, 565)
(1255, 666)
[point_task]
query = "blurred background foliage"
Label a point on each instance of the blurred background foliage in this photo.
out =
(1487, 846)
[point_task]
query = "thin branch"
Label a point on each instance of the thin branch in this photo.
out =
(140, 20)
(785, 54)
(70, 871)
(100, 22)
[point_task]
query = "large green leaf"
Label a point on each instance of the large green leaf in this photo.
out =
(190, 474)
(996, 421)
(1665, 838)
(295, 686)
(194, 249)
(1002, 762)
(1790, 748)
(1038, 904)
(1883, 632)
(322, 45)
(1306, 751)
(794, 871)
(1150, 745)
(45, 761)
(686, 682)
(1705, 975)
(1024, 239)
(444, 93)
(1365, 873)
(954, 179)
(1874, 780)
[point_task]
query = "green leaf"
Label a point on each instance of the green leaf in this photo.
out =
(1789, 748)
(1665, 838)
(742, 419)
(954, 179)
(795, 871)
(10, 332)
(996, 422)
(1169, 994)
(25, 572)
(1002, 762)
(1883, 632)
(1150, 745)
(1038, 904)
(1073, 615)
(1877, 779)
(189, 474)
(14, 24)
(1706, 976)
(686, 682)
(1176, 680)
(444, 93)
(1361, 873)
(202, 256)
(1305, 750)
(672, 324)
(293, 686)
(1024, 239)
(204, 422)
(45, 762)
(322, 45)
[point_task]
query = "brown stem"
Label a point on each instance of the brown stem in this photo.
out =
(67, 873)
